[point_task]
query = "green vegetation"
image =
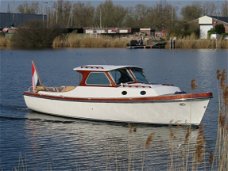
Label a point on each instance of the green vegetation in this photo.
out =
(218, 29)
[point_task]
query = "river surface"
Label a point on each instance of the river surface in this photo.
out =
(34, 141)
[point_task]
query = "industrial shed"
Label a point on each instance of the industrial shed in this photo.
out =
(208, 22)
(17, 19)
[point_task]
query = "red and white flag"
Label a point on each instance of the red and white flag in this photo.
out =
(35, 77)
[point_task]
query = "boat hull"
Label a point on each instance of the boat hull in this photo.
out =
(175, 111)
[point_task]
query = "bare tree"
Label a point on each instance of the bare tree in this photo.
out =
(224, 10)
(137, 16)
(162, 16)
(28, 8)
(82, 15)
(191, 12)
(209, 8)
(109, 15)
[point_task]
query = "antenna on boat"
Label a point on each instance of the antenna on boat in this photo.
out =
(35, 77)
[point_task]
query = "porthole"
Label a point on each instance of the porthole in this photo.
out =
(182, 104)
(143, 92)
(124, 93)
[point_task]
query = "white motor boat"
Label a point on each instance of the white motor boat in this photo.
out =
(118, 94)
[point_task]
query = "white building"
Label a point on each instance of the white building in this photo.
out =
(208, 22)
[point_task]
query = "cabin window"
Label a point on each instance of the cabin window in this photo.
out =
(97, 78)
(138, 73)
(121, 76)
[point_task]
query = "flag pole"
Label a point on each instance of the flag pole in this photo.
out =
(36, 81)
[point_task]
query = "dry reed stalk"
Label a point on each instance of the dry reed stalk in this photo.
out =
(171, 134)
(193, 84)
(171, 154)
(21, 164)
(200, 146)
(186, 153)
(131, 128)
(187, 135)
(191, 42)
(59, 42)
(221, 147)
(89, 41)
(146, 146)
(211, 158)
(149, 140)
(218, 74)
(225, 95)
(224, 44)
(4, 42)
(223, 157)
(71, 40)
(223, 79)
(221, 120)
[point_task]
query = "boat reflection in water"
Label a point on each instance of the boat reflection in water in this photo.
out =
(63, 143)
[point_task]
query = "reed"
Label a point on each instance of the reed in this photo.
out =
(225, 95)
(4, 42)
(149, 140)
(200, 147)
(216, 160)
(193, 84)
(74, 40)
(22, 166)
(224, 44)
(220, 157)
(192, 42)
(171, 150)
(195, 44)
(186, 152)
(131, 128)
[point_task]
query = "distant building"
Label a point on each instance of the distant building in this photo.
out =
(208, 22)
(17, 19)
(146, 31)
(108, 31)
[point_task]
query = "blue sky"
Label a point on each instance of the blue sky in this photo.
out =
(11, 5)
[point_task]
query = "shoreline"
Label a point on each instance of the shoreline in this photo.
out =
(88, 41)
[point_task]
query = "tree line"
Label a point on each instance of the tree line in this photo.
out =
(161, 16)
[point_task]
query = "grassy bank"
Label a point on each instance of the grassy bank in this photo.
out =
(87, 41)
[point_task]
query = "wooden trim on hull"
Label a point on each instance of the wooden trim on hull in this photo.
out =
(163, 98)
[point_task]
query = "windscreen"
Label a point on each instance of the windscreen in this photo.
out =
(121, 76)
(139, 75)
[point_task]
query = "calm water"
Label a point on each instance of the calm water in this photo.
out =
(34, 141)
